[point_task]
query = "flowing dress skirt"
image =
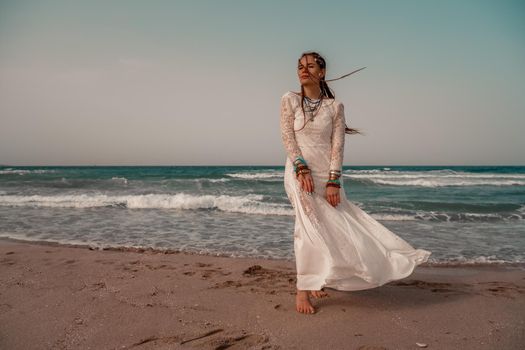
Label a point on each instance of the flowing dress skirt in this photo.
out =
(342, 247)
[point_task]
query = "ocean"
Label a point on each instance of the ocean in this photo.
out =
(462, 214)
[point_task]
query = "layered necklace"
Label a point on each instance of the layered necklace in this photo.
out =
(312, 106)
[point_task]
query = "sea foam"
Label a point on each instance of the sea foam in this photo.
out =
(249, 204)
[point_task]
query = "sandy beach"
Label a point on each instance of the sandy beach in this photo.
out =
(73, 297)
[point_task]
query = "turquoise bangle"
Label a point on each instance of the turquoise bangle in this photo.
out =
(300, 159)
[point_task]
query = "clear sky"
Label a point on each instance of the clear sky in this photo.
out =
(199, 82)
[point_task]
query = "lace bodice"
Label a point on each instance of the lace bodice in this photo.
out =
(327, 128)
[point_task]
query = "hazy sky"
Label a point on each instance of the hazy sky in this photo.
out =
(199, 82)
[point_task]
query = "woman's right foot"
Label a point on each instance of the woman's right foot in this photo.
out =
(302, 302)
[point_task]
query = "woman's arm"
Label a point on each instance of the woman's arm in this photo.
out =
(338, 138)
(290, 144)
(336, 156)
(287, 131)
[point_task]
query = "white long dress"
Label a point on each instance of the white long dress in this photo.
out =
(339, 247)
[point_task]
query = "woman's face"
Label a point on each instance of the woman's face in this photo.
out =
(308, 71)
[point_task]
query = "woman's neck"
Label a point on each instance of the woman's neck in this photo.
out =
(312, 92)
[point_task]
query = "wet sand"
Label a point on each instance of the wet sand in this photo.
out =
(73, 297)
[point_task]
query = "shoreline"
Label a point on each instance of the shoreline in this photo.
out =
(59, 296)
(168, 251)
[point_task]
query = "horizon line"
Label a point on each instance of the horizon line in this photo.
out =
(245, 165)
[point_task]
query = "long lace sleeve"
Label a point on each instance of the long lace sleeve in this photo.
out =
(287, 129)
(338, 138)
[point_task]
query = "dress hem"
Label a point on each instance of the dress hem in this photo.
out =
(422, 257)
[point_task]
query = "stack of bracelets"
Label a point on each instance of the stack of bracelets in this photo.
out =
(333, 181)
(300, 167)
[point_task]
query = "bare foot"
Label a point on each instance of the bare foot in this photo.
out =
(319, 293)
(302, 302)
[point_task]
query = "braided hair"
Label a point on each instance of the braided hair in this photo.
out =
(326, 91)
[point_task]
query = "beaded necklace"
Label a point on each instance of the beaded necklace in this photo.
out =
(312, 106)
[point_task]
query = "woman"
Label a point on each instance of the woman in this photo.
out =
(337, 245)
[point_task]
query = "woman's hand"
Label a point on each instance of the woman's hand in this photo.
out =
(332, 196)
(306, 181)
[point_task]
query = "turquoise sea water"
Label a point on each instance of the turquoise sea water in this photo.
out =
(463, 214)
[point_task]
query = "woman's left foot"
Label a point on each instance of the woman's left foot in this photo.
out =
(319, 293)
